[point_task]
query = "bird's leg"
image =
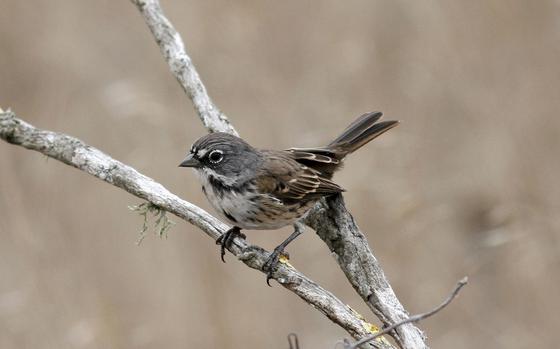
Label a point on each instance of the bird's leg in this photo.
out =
(272, 260)
(226, 240)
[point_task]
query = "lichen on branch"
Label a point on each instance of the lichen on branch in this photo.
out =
(162, 223)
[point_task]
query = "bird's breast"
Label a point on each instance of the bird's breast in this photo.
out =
(244, 207)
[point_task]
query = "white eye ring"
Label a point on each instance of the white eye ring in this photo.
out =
(216, 156)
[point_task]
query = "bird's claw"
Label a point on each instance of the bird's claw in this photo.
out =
(226, 239)
(272, 262)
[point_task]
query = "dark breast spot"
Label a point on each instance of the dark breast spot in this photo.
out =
(268, 213)
(228, 216)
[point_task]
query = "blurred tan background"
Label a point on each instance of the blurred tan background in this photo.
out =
(467, 185)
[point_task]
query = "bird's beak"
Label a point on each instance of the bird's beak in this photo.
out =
(190, 161)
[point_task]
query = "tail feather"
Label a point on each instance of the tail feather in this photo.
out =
(360, 132)
(327, 159)
(359, 125)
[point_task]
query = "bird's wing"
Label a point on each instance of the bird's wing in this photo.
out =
(320, 159)
(314, 154)
(285, 178)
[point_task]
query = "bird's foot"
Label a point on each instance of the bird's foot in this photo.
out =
(272, 262)
(225, 240)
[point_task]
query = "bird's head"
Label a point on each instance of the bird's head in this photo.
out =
(223, 156)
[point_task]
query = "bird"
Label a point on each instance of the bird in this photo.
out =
(261, 189)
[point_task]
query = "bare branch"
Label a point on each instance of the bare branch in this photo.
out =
(181, 66)
(330, 218)
(76, 153)
(337, 228)
(414, 318)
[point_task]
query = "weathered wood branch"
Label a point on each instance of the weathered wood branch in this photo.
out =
(341, 234)
(76, 153)
(337, 228)
(173, 50)
(413, 318)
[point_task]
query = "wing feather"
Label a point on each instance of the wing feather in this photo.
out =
(318, 155)
(289, 180)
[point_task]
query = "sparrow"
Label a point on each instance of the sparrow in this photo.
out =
(264, 189)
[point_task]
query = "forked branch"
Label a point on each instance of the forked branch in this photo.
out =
(76, 153)
(330, 218)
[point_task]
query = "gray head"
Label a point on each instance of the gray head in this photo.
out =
(223, 156)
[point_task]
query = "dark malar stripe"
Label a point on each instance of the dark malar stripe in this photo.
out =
(220, 187)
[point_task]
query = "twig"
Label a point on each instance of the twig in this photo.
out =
(414, 318)
(330, 218)
(293, 341)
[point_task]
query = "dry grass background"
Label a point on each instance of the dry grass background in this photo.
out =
(467, 185)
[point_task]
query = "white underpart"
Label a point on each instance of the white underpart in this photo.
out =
(240, 206)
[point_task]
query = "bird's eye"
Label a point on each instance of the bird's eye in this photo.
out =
(216, 156)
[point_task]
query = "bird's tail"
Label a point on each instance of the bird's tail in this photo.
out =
(360, 132)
